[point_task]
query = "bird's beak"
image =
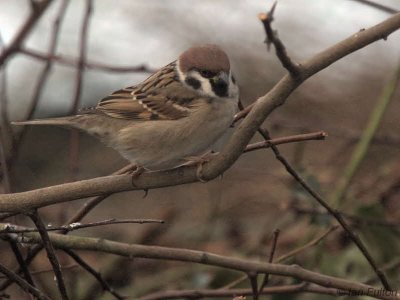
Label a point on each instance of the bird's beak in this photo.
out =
(221, 78)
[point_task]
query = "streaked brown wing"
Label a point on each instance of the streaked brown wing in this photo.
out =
(153, 99)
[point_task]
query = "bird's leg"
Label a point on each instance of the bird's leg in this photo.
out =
(200, 161)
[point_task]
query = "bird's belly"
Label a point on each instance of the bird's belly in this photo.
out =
(165, 144)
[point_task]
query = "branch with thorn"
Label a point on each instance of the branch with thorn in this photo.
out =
(272, 38)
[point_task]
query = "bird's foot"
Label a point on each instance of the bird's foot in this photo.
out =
(200, 161)
(135, 173)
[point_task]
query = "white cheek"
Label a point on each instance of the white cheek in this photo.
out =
(205, 87)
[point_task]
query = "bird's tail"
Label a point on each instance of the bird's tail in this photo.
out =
(62, 121)
(100, 126)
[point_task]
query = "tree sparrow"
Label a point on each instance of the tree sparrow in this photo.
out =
(176, 113)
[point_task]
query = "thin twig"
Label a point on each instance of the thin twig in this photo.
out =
(320, 135)
(234, 282)
(273, 246)
(23, 283)
(26, 28)
(308, 245)
(271, 257)
(75, 226)
(243, 113)
(20, 260)
(50, 253)
(254, 285)
(395, 263)
(94, 65)
(379, 6)
(95, 274)
(352, 235)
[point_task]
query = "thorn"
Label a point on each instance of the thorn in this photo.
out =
(271, 11)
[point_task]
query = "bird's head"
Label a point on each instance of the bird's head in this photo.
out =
(206, 69)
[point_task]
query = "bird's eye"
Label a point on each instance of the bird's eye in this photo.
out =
(207, 73)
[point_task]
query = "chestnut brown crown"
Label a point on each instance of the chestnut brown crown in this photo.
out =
(206, 57)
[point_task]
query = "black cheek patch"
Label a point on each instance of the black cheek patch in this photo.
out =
(220, 88)
(193, 82)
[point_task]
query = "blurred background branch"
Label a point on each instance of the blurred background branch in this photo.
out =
(201, 257)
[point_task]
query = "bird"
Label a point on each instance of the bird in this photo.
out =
(170, 119)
